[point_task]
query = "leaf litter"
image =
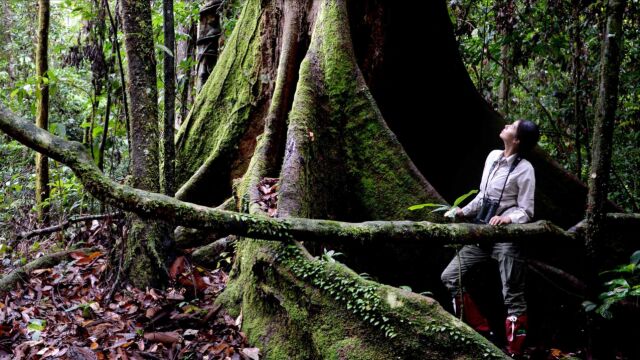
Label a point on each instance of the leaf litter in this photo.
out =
(64, 312)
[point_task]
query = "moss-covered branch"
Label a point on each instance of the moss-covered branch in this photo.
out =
(148, 204)
(153, 205)
(8, 282)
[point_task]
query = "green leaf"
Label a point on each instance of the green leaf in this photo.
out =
(635, 257)
(37, 324)
(420, 206)
(463, 197)
(589, 306)
(618, 282)
(165, 49)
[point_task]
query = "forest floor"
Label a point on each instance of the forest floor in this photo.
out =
(77, 309)
(80, 310)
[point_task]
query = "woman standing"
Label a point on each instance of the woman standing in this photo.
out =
(506, 196)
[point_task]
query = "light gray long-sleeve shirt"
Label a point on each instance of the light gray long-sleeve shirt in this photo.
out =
(518, 196)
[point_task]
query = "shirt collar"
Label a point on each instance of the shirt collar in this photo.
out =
(510, 159)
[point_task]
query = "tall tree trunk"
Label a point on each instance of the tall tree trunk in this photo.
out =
(599, 174)
(603, 126)
(148, 244)
(208, 36)
(167, 149)
(116, 53)
(42, 118)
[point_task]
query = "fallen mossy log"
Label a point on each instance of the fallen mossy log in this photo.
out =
(7, 282)
(154, 205)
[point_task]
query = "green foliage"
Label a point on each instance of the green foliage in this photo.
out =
(229, 13)
(625, 286)
(17, 182)
(450, 210)
(78, 79)
(359, 297)
(540, 37)
(329, 255)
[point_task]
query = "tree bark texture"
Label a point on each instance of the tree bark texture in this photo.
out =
(168, 153)
(148, 243)
(600, 338)
(42, 117)
(603, 127)
(207, 43)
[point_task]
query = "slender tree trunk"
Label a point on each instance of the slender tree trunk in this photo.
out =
(116, 51)
(577, 72)
(167, 149)
(505, 20)
(146, 248)
(186, 79)
(603, 126)
(596, 232)
(42, 118)
(105, 128)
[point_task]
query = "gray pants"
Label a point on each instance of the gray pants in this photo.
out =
(511, 264)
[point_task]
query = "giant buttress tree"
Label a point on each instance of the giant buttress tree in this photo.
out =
(309, 92)
(334, 100)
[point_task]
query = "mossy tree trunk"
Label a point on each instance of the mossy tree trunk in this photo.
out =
(603, 127)
(600, 337)
(146, 248)
(167, 148)
(42, 119)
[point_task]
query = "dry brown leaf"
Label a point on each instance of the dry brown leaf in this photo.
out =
(163, 337)
(81, 353)
(178, 267)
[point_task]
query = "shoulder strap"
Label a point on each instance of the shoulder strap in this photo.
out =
(513, 166)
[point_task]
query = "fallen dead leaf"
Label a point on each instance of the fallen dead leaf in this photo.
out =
(163, 337)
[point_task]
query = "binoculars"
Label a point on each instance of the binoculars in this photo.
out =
(487, 211)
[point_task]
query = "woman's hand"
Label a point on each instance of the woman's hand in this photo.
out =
(500, 220)
(459, 212)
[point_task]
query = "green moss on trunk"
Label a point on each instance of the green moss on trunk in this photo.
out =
(223, 112)
(298, 307)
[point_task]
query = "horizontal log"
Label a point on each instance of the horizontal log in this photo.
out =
(8, 281)
(65, 224)
(157, 206)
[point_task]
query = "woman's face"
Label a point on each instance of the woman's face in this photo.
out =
(508, 134)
